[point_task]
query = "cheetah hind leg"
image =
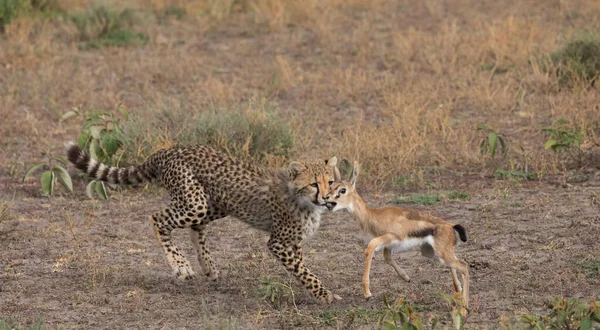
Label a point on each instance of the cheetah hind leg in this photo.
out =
(175, 258)
(198, 237)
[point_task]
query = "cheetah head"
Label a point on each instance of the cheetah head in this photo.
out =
(311, 181)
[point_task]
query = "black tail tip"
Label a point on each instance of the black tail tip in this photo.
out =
(462, 233)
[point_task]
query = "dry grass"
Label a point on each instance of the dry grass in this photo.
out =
(398, 86)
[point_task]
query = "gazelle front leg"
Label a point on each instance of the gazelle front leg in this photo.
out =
(373, 246)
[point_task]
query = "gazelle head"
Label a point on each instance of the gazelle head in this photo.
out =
(341, 193)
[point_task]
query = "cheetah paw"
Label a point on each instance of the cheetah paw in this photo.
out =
(328, 298)
(213, 275)
(184, 273)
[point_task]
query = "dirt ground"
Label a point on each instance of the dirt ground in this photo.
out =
(75, 263)
(399, 85)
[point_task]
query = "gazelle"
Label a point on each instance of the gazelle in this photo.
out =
(397, 229)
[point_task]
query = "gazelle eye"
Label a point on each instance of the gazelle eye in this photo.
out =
(314, 184)
(330, 183)
(343, 191)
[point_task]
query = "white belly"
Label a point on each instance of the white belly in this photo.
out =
(407, 244)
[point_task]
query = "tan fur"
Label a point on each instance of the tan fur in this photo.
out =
(393, 225)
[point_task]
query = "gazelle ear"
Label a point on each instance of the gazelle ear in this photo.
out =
(354, 175)
(331, 161)
(297, 167)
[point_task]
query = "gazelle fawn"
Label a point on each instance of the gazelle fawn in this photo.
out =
(396, 229)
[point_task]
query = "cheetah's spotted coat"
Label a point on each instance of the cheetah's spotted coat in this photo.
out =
(206, 185)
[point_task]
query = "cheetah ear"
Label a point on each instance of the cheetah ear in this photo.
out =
(354, 175)
(336, 174)
(331, 161)
(297, 167)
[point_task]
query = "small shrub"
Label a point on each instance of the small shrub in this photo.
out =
(458, 195)
(252, 132)
(418, 199)
(54, 173)
(351, 316)
(10, 9)
(101, 27)
(563, 136)
(578, 60)
(401, 315)
(566, 313)
(175, 12)
(458, 312)
(514, 175)
(7, 222)
(272, 291)
(591, 267)
(489, 144)
(101, 136)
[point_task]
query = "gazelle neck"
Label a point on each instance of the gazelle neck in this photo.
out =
(362, 212)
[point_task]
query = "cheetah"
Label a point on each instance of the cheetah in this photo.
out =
(206, 185)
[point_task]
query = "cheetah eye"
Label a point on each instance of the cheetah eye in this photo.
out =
(314, 184)
(330, 183)
(343, 191)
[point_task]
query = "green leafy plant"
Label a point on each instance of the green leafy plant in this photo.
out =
(102, 137)
(272, 291)
(101, 134)
(566, 313)
(514, 175)
(563, 136)
(489, 144)
(53, 173)
(401, 315)
(459, 311)
(96, 187)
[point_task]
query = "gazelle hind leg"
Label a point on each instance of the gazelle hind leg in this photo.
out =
(198, 237)
(444, 249)
(387, 254)
(457, 286)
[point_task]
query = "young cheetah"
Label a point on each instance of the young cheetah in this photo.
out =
(206, 185)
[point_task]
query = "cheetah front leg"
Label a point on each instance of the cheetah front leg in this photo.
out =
(294, 264)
